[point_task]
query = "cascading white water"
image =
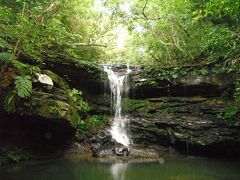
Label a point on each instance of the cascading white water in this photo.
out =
(119, 85)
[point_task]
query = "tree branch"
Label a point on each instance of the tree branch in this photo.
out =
(143, 10)
(145, 16)
(89, 44)
(15, 49)
(49, 8)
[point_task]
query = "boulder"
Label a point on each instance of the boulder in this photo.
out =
(44, 118)
(54, 105)
(80, 75)
(102, 145)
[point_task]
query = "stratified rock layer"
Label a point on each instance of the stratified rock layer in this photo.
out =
(185, 113)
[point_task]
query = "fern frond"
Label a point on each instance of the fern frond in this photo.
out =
(23, 86)
(9, 101)
(6, 58)
(4, 44)
(17, 64)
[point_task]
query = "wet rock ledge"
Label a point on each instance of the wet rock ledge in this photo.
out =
(186, 113)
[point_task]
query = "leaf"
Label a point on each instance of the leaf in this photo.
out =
(9, 59)
(4, 44)
(23, 86)
(6, 58)
(9, 101)
(19, 65)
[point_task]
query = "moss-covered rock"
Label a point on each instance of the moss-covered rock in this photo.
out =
(47, 105)
(86, 76)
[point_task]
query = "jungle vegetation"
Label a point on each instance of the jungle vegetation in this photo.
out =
(155, 33)
(174, 32)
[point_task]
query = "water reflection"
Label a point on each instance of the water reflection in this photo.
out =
(118, 170)
(180, 169)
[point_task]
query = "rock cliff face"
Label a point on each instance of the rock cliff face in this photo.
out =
(188, 85)
(184, 113)
(185, 123)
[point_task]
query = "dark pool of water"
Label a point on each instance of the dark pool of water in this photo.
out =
(183, 168)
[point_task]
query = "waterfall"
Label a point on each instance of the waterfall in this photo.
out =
(118, 81)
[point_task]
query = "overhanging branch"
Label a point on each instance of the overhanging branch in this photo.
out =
(146, 17)
(89, 44)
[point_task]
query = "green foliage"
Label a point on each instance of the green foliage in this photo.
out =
(225, 68)
(15, 157)
(10, 101)
(94, 122)
(220, 9)
(165, 74)
(230, 112)
(179, 32)
(81, 126)
(137, 107)
(4, 44)
(221, 42)
(55, 110)
(147, 83)
(203, 72)
(160, 32)
(24, 69)
(84, 106)
(76, 96)
(97, 120)
(78, 109)
(50, 29)
(23, 86)
(6, 58)
(75, 117)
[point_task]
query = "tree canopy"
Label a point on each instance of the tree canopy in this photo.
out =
(148, 32)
